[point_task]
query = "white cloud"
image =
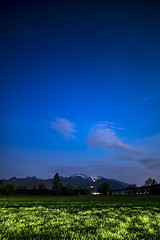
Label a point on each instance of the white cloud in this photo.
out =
(103, 135)
(64, 127)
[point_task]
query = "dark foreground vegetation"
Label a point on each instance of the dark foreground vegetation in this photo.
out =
(94, 217)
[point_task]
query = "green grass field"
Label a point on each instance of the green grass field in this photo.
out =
(130, 217)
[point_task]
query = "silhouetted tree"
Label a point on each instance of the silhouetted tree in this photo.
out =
(42, 188)
(104, 188)
(131, 188)
(69, 190)
(34, 190)
(56, 185)
(9, 189)
(84, 191)
(19, 187)
(1, 186)
(1, 183)
(150, 182)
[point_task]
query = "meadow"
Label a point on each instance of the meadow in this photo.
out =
(113, 217)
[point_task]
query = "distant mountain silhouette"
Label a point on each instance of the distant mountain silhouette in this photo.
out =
(76, 180)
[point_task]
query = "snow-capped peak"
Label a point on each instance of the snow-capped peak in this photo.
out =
(94, 179)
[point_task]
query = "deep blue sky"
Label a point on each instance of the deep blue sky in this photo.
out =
(80, 89)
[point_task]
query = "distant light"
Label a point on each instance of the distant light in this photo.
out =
(96, 193)
(91, 186)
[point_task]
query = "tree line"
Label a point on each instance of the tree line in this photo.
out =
(150, 186)
(59, 189)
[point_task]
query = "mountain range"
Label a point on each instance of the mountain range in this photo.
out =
(76, 181)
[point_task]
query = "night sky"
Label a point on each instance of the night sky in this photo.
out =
(80, 89)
